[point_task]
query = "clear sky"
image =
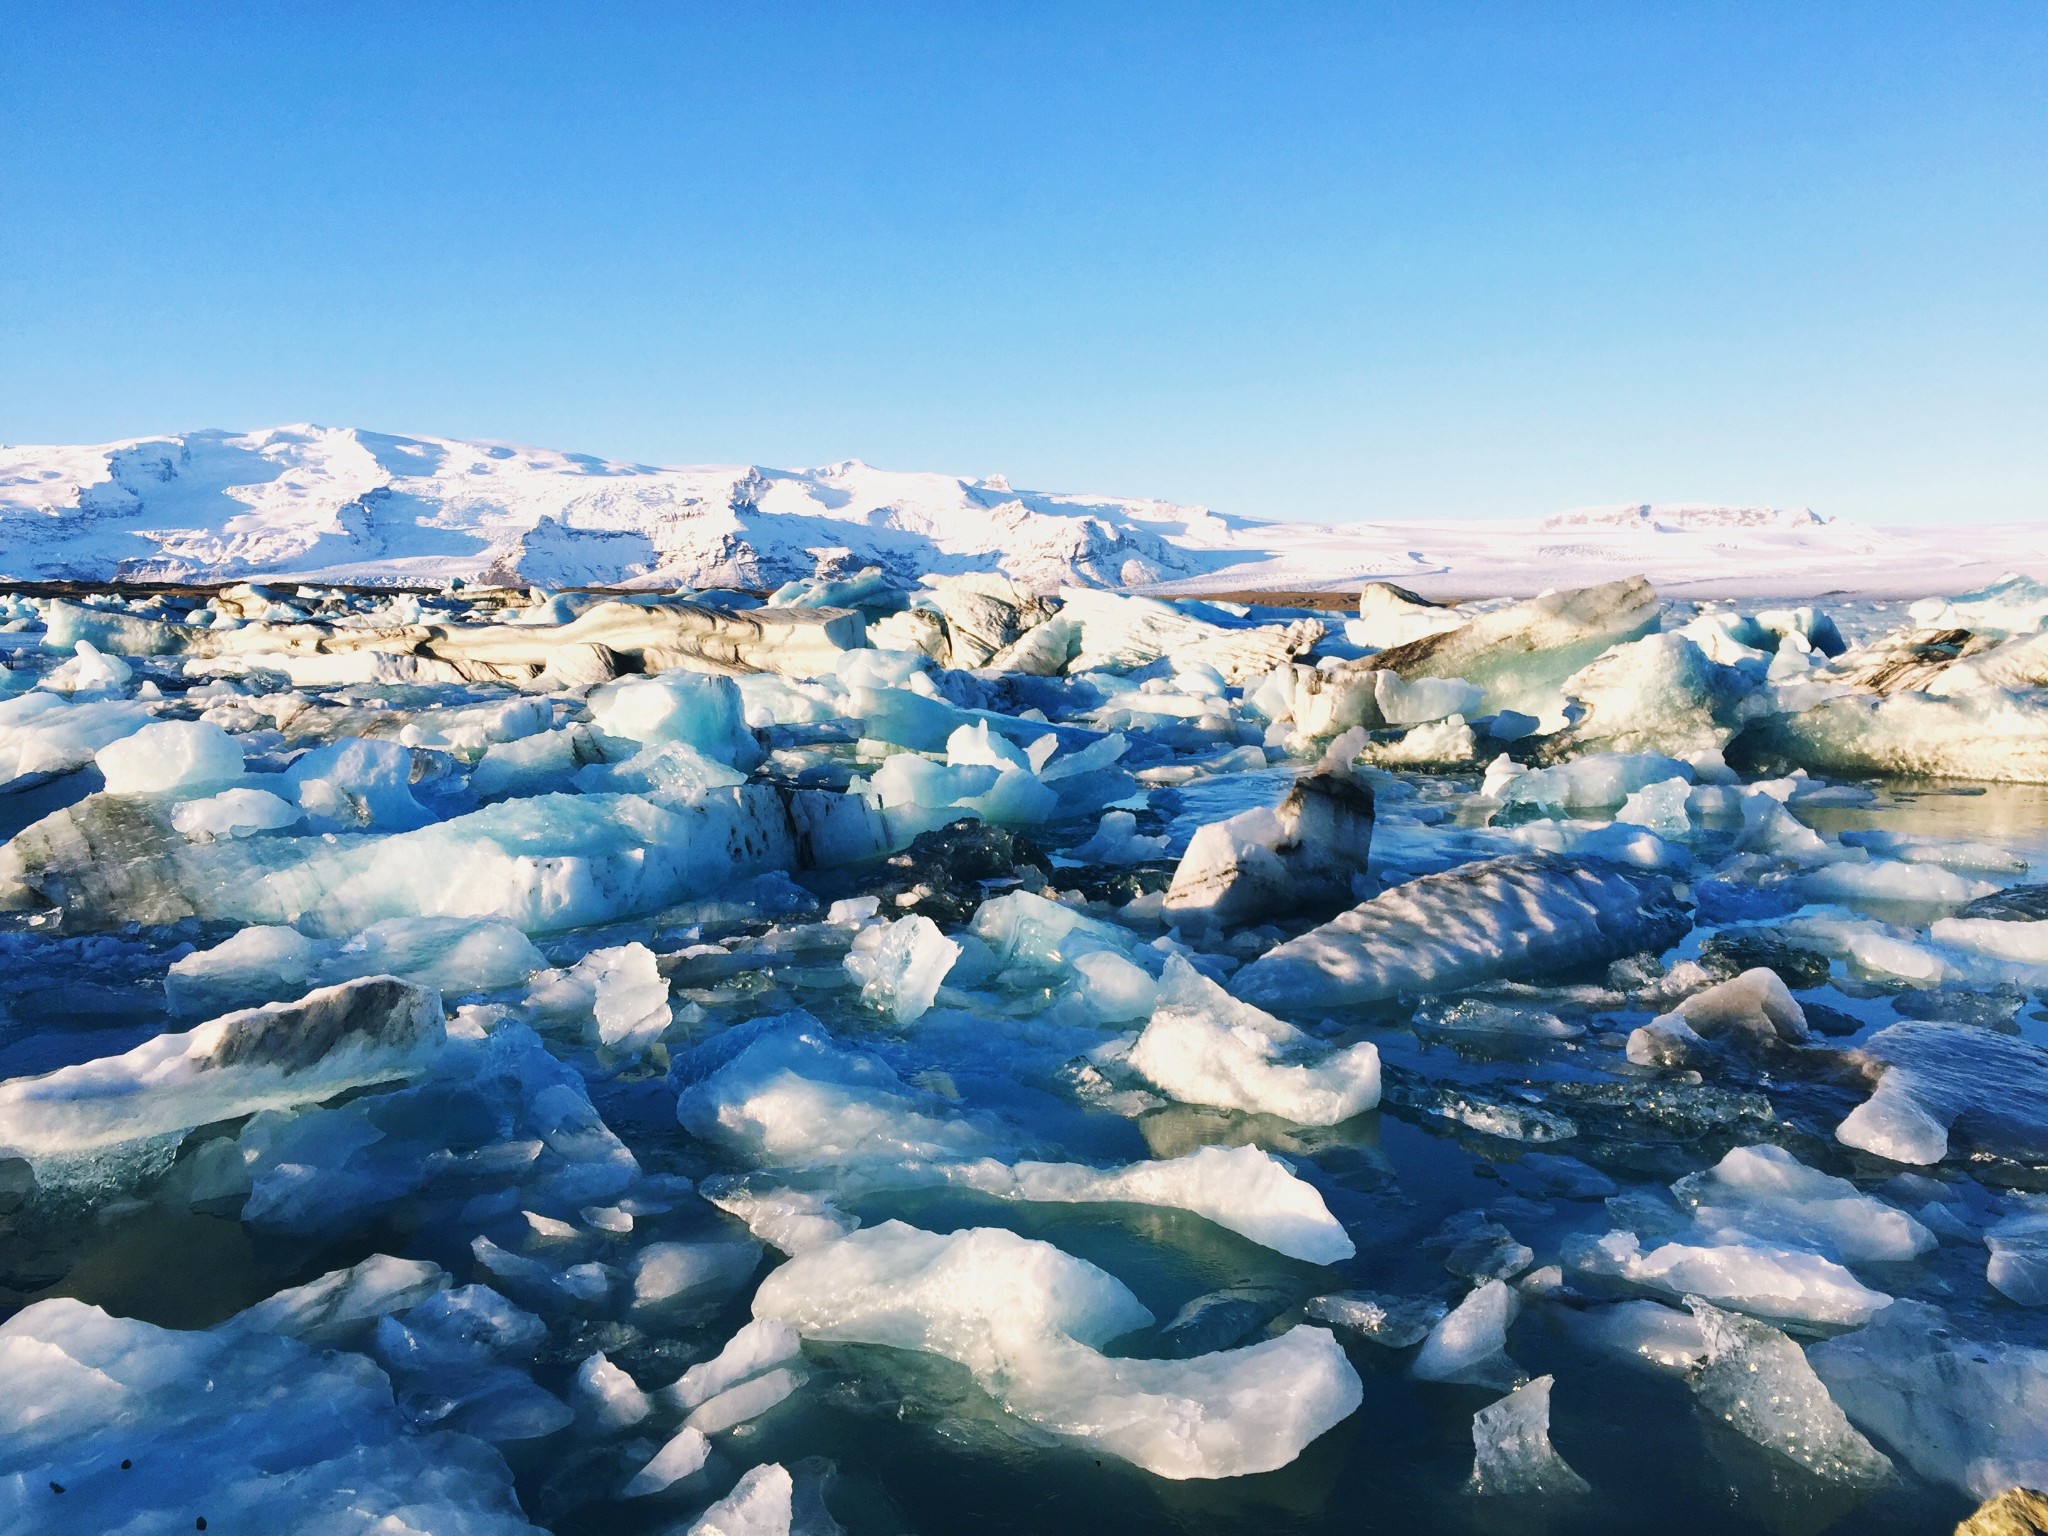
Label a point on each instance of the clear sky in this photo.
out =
(1289, 260)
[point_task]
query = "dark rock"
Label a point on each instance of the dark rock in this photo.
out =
(2018, 904)
(1726, 955)
(948, 872)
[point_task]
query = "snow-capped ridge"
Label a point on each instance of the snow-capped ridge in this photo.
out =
(1677, 516)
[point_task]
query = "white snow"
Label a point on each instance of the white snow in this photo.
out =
(344, 503)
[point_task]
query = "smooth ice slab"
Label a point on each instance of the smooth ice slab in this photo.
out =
(1502, 917)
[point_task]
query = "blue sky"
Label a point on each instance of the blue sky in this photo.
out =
(1289, 260)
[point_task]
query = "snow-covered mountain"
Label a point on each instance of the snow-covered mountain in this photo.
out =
(344, 504)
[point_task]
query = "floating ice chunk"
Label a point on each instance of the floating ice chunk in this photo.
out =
(692, 707)
(1512, 1453)
(331, 1169)
(341, 1308)
(1751, 1277)
(1758, 1383)
(671, 769)
(89, 671)
(233, 813)
(1764, 1192)
(551, 862)
(2018, 663)
(609, 1397)
(360, 782)
(971, 745)
(1992, 735)
(1507, 916)
(1469, 1345)
(1969, 1413)
(2018, 1268)
(1889, 880)
(748, 1400)
(125, 634)
(1421, 700)
(1394, 1322)
(684, 1454)
(630, 997)
(1028, 1322)
(1662, 807)
(2014, 605)
(1122, 633)
(1311, 849)
(281, 1438)
(1203, 1046)
(1755, 1007)
(2024, 943)
(371, 1031)
(1521, 655)
(1940, 1081)
(789, 1220)
(1389, 616)
(760, 1346)
(169, 756)
(1032, 931)
(901, 965)
(1443, 744)
(759, 1505)
(1243, 1189)
(1114, 988)
(1645, 1331)
(669, 1275)
(787, 1096)
(1476, 1016)
(453, 955)
(1591, 783)
(42, 735)
(1660, 694)
(1116, 841)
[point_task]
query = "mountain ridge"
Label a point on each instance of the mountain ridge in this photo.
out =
(350, 504)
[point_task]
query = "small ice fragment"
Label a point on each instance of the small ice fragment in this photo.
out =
(901, 965)
(1469, 1345)
(760, 1505)
(609, 1397)
(684, 1454)
(1758, 1382)
(1512, 1453)
(761, 1345)
(746, 1400)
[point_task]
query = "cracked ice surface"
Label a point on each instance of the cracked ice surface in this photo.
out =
(910, 1057)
